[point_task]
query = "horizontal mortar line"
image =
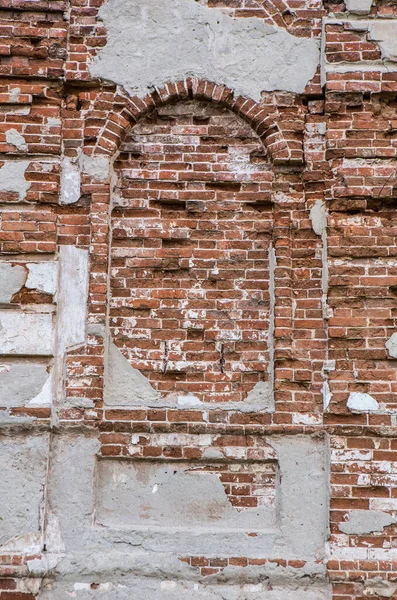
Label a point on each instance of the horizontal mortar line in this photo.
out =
(197, 461)
(26, 207)
(364, 20)
(30, 157)
(29, 358)
(345, 67)
(30, 257)
(34, 9)
(36, 356)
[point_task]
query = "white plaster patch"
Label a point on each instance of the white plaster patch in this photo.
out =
(188, 401)
(42, 276)
(12, 278)
(70, 182)
(26, 333)
(44, 397)
(72, 297)
(318, 216)
(151, 42)
(361, 402)
(391, 345)
(12, 177)
(327, 395)
(97, 167)
(14, 138)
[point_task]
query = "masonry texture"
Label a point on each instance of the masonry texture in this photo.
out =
(198, 299)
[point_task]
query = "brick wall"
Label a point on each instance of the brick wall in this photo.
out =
(199, 284)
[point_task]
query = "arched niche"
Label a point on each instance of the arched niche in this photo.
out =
(191, 262)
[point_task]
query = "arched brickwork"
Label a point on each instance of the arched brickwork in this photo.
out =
(282, 143)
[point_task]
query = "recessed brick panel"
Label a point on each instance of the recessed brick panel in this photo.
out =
(191, 235)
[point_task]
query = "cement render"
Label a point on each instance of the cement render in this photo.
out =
(152, 42)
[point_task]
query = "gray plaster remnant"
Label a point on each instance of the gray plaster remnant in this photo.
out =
(132, 544)
(304, 501)
(14, 138)
(358, 7)
(153, 42)
(366, 521)
(24, 464)
(20, 382)
(97, 167)
(262, 395)
(165, 495)
(384, 33)
(359, 402)
(23, 333)
(72, 297)
(12, 279)
(70, 182)
(96, 329)
(170, 588)
(125, 385)
(42, 276)
(12, 177)
(380, 587)
(391, 345)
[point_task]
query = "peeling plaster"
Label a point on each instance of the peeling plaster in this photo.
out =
(359, 402)
(366, 521)
(12, 278)
(12, 177)
(70, 182)
(151, 42)
(42, 276)
(14, 138)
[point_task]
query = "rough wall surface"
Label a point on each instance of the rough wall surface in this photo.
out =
(198, 299)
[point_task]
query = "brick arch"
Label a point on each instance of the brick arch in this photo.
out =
(126, 111)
